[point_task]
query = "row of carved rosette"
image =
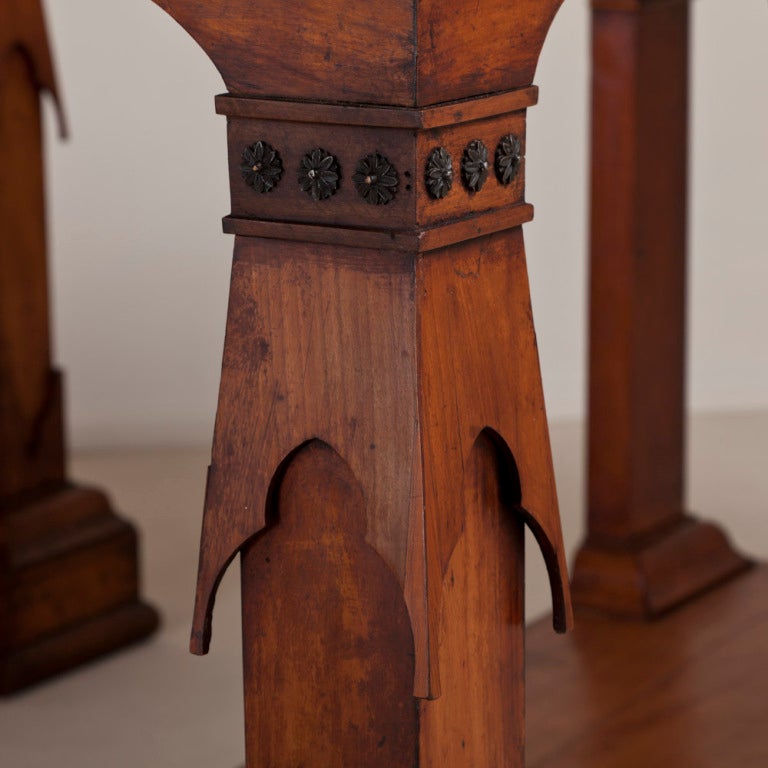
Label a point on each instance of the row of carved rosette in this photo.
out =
(375, 178)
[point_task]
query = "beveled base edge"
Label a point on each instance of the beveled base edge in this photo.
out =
(672, 568)
(74, 646)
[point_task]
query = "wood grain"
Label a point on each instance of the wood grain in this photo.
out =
(307, 49)
(325, 338)
(326, 634)
(387, 357)
(481, 46)
(686, 690)
(642, 555)
(432, 51)
(320, 345)
(685, 687)
(479, 717)
(420, 240)
(439, 116)
(480, 370)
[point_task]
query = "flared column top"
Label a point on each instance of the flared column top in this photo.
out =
(393, 52)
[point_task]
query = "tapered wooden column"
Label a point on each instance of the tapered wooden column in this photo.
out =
(68, 565)
(643, 554)
(381, 436)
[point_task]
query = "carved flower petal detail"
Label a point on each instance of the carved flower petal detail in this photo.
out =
(439, 173)
(376, 179)
(319, 174)
(475, 165)
(261, 167)
(508, 156)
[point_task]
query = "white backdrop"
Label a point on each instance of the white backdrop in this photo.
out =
(140, 269)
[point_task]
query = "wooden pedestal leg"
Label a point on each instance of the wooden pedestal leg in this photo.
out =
(687, 688)
(643, 554)
(68, 565)
(381, 436)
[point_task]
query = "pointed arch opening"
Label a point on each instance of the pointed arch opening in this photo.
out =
(327, 642)
(511, 493)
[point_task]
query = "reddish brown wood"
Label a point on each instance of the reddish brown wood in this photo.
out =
(420, 240)
(68, 565)
(400, 53)
(30, 393)
(381, 437)
(317, 591)
(643, 555)
(478, 355)
(687, 690)
(471, 48)
(412, 208)
(481, 643)
(436, 116)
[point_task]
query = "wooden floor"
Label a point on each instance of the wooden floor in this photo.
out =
(687, 691)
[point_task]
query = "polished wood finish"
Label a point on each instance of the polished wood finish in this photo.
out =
(317, 591)
(643, 554)
(683, 687)
(687, 690)
(398, 53)
(381, 436)
(68, 565)
(481, 644)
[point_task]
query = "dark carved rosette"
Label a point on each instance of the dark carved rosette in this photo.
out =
(439, 173)
(376, 179)
(508, 158)
(475, 165)
(319, 174)
(261, 167)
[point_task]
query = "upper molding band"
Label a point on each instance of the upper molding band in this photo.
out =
(424, 118)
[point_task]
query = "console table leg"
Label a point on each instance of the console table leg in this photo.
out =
(68, 565)
(643, 554)
(381, 437)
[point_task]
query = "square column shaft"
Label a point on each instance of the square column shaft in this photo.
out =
(381, 437)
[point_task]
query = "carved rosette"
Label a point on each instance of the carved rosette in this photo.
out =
(261, 167)
(508, 156)
(439, 173)
(319, 174)
(475, 165)
(376, 179)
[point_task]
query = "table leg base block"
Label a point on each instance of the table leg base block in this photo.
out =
(657, 575)
(77, 645)
(69, 584)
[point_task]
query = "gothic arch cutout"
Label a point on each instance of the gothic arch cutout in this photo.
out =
(327, 639)
(511, 491)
